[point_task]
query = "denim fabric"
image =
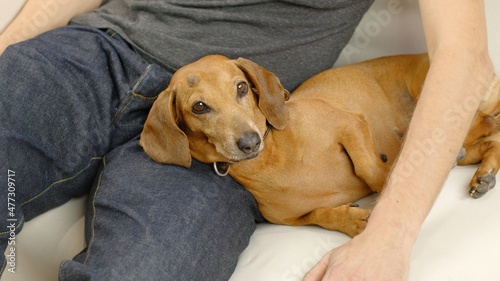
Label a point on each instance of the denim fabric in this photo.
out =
(72, 104)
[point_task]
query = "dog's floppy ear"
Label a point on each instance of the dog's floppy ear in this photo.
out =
(161, 138)
(271, 93)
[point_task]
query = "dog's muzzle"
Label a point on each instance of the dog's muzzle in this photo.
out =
(250, 144)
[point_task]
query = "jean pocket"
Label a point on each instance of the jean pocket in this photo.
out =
(134, 108)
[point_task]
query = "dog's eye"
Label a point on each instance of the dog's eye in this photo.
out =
(242, 88)
(200, 107)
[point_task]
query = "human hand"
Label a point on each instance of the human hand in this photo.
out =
(365, 257)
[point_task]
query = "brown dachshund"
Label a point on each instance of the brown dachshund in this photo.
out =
(306, 156)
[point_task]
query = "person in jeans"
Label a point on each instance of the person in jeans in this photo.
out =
(73, 101)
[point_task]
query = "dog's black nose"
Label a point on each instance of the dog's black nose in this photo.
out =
(249, 142)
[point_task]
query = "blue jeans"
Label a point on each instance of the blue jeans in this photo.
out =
(72, 105)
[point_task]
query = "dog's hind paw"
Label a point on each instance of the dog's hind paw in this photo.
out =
(482, 184)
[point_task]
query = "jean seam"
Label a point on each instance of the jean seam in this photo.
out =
(94, 213)
(144, 97)
(129, 100)
(111, 33)
(142, 77)
(61, 181)
(122, 108)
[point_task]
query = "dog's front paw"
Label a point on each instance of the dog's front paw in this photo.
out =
(461, 156)
(482, 184)
(358, 219)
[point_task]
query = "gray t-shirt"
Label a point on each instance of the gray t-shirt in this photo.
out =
(293, 38)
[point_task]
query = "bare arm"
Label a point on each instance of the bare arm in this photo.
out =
(460, 74)
(38, 16)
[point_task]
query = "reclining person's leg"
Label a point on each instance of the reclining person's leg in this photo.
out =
(149, 221)
(60, 100)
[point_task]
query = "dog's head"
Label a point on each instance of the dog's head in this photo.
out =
(215, 110)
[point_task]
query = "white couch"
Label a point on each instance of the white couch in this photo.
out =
(459, 240)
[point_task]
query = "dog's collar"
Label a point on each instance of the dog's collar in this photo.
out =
(268, 129)
(222, 168)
